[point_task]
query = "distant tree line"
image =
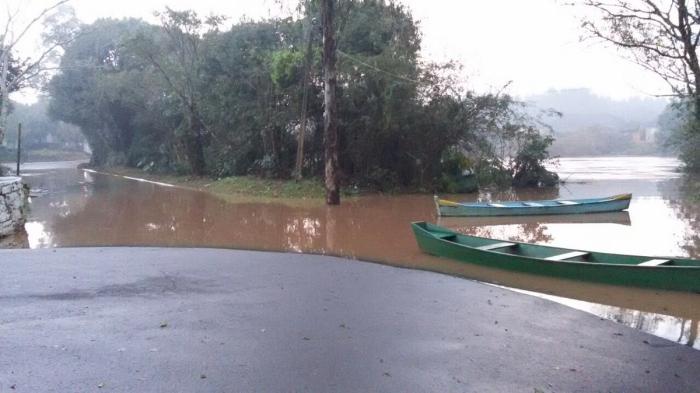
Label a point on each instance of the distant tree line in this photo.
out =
(662, 37)
(39, 131)
(190, 96)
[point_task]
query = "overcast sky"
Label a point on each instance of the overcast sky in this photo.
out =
(534, 43)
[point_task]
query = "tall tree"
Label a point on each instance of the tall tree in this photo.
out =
(178, 59)
(330, 122)
(299, 166)
(661, 36)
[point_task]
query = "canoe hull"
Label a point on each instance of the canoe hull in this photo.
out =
(600, 206)
(621, 218)
(676, 278)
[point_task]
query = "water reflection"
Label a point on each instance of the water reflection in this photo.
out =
(681, 330)
(88, 209)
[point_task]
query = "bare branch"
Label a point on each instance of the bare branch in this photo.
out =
(33, 21)
(660, 39)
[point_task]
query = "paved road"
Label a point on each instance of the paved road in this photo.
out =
(205, 320)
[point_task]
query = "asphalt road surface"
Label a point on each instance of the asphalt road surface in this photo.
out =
(207, 320)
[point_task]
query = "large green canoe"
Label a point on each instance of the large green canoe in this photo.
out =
(670, 273)
(518, 208)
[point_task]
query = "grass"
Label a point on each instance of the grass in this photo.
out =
(238, 188)
(268, 188)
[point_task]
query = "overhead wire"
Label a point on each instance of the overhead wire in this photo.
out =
(397, 76)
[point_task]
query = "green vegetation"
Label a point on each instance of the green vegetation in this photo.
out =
(268, 188)
(188, 96)
(691, 187)
(681, 129)
(235, 187)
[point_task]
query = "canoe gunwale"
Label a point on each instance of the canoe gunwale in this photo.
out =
(477, 205)
(447, 208)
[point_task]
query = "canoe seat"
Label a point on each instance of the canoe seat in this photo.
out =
(451, 237)
(495, 246)
(496, 205)
(654, 262)
(533, 204)
(567, 202)
(567, 255)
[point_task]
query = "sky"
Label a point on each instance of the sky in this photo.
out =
(534, 45)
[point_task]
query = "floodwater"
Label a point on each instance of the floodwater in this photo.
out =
(83, 208)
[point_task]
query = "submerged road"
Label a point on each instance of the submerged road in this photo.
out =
(208, 320)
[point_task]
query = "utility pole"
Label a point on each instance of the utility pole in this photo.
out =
(19, 146)
(330, 122)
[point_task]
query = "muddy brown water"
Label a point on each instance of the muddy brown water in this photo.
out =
(81, 208)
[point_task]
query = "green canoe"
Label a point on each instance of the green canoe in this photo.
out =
(669, 273)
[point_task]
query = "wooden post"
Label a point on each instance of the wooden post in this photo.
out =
(19, 146)
(330, 123)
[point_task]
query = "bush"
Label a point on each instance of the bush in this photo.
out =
(529, 170)
(456, 173)
(492, 173)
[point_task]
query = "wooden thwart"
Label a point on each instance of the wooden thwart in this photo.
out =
(654, 262)
(533, 204)
(496, 245)
(567, 255)
(448, 236)
(567, 202)
(496, 205)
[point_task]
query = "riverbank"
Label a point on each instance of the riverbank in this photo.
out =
(234, 188)
(245, 321)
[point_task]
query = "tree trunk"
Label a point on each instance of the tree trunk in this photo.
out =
(330, 123)
(691, 59)
(693, 333)
(195, 144)
(4, 91)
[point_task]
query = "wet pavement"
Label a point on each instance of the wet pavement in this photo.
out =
(206, 320)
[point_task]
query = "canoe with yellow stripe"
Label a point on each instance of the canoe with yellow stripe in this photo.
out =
(447, 208)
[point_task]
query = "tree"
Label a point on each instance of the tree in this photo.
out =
(663, 37)
(183, 96)
(178, 59)
(15, 73)
(330, 122)
(102, 88)
(660, 36)
(299, 166)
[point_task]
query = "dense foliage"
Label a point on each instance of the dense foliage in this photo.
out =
(188, 96)
(680, 128)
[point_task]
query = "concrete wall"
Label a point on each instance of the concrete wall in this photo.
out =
(12, 205)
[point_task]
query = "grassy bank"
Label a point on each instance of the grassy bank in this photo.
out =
(238, 188)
